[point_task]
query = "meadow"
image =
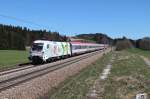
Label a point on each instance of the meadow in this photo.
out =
(129, 76)
(10, 58)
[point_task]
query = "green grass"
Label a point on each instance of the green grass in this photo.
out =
(9, 58)
(76, 87)
(145, 53)
(129, 76)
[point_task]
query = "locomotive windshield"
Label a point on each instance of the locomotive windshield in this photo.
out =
(37, 46)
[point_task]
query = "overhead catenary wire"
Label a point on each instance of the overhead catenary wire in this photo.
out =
(23, 21)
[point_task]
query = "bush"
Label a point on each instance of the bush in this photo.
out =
(123, 44)
(145, 43)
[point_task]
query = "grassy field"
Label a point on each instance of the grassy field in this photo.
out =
(145, 53)
(77, 86)
(129, 76)
(9, 58)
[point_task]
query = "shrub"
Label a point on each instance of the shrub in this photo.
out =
(123, 44)
(145, 43)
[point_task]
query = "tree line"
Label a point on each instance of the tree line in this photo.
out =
(16, 37)
(124, 43)
(120, 43)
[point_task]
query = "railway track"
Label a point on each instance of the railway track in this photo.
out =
(15, 66)
(15, 69)
(20, 67)
(20, 75)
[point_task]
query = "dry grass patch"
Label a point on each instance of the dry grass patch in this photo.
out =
(129, 76)
(76, 87)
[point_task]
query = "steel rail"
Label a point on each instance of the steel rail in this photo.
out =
(18, 68)
(6, 84)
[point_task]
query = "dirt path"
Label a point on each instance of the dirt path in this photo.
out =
(147, 61)
(97, 89)
(129, 78)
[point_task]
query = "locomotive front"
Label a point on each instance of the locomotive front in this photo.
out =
(36, 52)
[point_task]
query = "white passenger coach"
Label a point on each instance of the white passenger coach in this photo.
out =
(46, 51)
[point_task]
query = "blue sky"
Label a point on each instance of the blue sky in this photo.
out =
(116, 18)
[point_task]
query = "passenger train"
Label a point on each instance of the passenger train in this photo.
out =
(46, 51)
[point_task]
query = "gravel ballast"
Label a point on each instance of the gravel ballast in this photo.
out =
(39, 86)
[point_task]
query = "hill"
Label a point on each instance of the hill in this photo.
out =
(97, 37)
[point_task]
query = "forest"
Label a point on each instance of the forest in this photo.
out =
(17, 38)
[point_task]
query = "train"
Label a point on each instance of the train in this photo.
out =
(43, 51)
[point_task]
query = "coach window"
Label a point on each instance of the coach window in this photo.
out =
(74, 47)
(78, 47)
(82, 47)
(47, 46)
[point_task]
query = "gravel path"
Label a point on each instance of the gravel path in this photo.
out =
(37, 87)
(147, 61)
(96, 90)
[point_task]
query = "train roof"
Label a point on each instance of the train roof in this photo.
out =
(82, 43)
(43, 41)
(76, 43)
